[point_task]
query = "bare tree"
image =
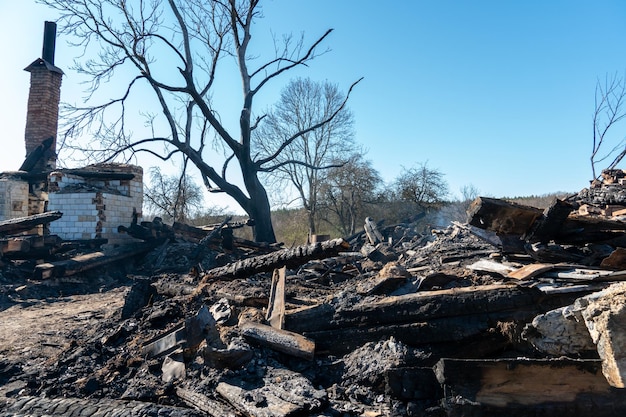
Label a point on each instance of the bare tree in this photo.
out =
(175, 198)
(610, 100)
(304, 163)
(172, 49)
(348, 191)
(422, 186)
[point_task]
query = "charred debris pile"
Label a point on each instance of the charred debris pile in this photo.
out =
(519, 311)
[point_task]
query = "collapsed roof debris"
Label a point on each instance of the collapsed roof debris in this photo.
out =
(519, 311)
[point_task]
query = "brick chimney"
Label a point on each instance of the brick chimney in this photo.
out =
(43, 104)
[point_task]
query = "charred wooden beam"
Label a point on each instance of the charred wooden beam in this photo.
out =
(30, 246)
(202, 246)
(549, 224)
(280, 340)
(522, 387)
(535, 225)
(197, 233)
(414, 308)
(501, 216)
(101, 174)
(290, 258)
(88, 261)
(23, 224)
(33, 158)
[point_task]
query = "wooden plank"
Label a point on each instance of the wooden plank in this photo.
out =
(34, 158)
(488, 265)
(23, 224)
(373, 234)
(616, 260)
(530, 271)
(280, 340)
(257, 402)
(587, 275)
(485, 235)
(14, 245)
(534, 386)
(276, 307)
(450, 331)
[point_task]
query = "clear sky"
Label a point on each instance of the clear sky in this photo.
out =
(495, 94)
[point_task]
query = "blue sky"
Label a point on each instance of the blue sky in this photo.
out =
(494, 94)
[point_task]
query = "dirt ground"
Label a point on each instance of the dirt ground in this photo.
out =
(38, 322)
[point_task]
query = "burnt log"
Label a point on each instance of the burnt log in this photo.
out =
(289, 258)
(280, 340)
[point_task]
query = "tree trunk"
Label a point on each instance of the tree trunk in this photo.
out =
(312, 228)
(259, 210)
(258, 204)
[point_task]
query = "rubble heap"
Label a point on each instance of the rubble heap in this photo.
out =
(519, 311)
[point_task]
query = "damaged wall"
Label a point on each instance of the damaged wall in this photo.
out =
(13, 197)
(95, 201)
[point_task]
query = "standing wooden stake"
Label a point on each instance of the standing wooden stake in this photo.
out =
(276, 306)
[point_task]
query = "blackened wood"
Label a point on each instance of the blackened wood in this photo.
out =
(414, 308)
(501, 216)
(33, 158)
(522, 387)
(427, 333)
(287, 257)
(202, 402)
(89, 261)
(23, 224)
(412, 383)
(197, 233)
(280, 340)
(100, 174)
(202, 247)
(549, 224)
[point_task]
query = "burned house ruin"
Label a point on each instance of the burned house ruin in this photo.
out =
(94, 200)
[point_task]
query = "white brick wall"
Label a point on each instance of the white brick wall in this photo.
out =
(91, 215)
(94, 208)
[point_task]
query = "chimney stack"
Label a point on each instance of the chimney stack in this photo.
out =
(43, 105)
(49, 42)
